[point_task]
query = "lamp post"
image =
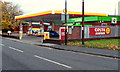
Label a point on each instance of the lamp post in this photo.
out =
(65, 22)
(119, 8)
(82, 22)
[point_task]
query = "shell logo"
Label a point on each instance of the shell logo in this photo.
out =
(108, 30)
(65, 10)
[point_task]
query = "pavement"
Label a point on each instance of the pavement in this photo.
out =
(94, 51)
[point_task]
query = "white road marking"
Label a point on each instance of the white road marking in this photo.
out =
(93, 55)
(96, 56)
(16, 49)
(99, 56)
(53, 61)
(2, 44)
(107, 57)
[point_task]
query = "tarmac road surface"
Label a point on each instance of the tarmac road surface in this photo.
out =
(22, 56)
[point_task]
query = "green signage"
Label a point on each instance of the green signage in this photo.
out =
(79, 25)
(95, 18)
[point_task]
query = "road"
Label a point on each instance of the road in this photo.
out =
(22, 56)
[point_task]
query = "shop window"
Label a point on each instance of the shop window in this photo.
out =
(104, 24)
(70, 30)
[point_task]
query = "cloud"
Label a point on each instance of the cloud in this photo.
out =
(94, 6)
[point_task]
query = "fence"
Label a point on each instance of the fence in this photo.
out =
(114, 32)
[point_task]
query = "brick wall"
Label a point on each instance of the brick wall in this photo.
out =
(56, 28)
(76, 33)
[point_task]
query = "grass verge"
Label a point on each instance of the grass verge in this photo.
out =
(113, 44)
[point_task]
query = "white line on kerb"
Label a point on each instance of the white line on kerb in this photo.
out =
(15, 49)
(2, 44)
(52, 61)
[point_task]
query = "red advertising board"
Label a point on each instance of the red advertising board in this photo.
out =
(62, 33)
(100, 31)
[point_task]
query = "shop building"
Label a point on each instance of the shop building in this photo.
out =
(95, 27)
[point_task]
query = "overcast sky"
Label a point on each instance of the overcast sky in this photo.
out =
(91, 6)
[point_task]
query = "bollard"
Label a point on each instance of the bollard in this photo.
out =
(46, 35)
(20, 35)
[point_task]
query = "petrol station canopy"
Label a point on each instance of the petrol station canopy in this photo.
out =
(54, 15)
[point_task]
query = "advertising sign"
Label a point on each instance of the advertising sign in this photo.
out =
(100, 31)
(114, 20)
(41, 22)
(62, 33)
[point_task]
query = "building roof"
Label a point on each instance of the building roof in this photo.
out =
(54, 15)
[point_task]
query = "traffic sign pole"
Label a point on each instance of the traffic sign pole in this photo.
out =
(82, 22)
(65, 22)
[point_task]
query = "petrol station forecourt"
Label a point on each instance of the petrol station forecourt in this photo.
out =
(54, 20)
(50, 19)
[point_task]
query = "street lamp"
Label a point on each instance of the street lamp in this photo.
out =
(65, 22)
(82, 22)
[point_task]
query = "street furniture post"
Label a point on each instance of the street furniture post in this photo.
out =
(82, 22)
(20, 32)
(65, 22)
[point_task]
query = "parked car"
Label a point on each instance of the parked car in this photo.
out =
(53, 33)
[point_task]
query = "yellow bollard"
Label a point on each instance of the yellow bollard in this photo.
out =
(46, 35)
